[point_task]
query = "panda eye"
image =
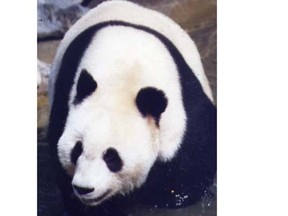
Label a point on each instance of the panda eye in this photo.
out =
(76, 152)
(113, 160)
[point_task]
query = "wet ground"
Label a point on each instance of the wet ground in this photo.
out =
(50, 204)
(198, 18)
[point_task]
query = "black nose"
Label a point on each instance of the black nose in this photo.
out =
(82, 191)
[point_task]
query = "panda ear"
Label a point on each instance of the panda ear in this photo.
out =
(86, 86)
(151, 101)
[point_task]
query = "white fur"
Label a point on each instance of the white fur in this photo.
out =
(130, 12)
(123, 60)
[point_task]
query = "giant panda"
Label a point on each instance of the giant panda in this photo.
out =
(132, 116)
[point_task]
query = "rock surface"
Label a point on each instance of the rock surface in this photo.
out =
(55, 17)
(43, 71)
(60, 4)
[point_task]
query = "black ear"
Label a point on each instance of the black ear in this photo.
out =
(151, 101)
(86, 86)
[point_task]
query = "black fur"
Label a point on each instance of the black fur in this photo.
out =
(113, 160)
(151, 101)
(76, 152)
(192, 169)
(86, 85)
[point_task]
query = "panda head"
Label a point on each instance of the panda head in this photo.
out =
(108, 147)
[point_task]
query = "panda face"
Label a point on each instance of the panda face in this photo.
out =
(106, 151)
(119, 105)
(110, 151)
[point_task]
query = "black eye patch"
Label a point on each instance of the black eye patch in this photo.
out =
(113, 160)
(76, 152)
(86, 86)
(151, 101)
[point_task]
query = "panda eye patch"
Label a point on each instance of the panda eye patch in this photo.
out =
(76, 152)
(86, 86)
(113, 160)
(151, 101)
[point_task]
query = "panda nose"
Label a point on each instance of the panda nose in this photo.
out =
(82, 190)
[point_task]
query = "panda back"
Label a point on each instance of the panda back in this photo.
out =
(134, 14)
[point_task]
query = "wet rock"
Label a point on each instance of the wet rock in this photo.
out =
(56, 17)
(42, 111)
(42, 99)
(43, 71)
(60, 4)
(46, 50)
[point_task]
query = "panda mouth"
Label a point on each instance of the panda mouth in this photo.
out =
(96, 200)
